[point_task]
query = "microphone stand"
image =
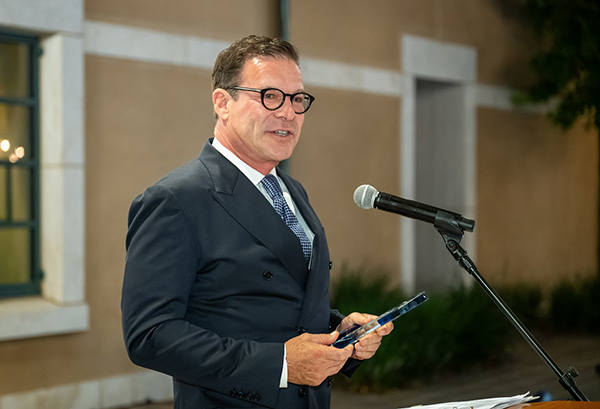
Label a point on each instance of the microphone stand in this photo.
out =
(447, 225)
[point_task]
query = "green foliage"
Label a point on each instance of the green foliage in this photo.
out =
(451, 331)
(456, 330)
(524, 300)
(575, 306)
(565, 306)
(568, 61)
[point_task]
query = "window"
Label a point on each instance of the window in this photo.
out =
(59, 307)
(20, 272)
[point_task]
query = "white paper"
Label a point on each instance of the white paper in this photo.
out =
(490, 403)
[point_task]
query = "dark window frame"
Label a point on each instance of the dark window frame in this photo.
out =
(31, 102)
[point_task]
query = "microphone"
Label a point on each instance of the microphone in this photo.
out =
(367, 197)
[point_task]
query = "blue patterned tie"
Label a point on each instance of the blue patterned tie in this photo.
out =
(281, 207)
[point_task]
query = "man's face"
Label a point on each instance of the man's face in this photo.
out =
(260, 137)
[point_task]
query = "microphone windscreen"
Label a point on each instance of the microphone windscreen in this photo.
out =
(364, 196)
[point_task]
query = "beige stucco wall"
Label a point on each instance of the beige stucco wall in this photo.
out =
(537, 199)
(226, 20)
(357, 32)
(349, 139)
(368, 33)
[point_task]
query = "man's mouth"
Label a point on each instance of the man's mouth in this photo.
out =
(281, 133)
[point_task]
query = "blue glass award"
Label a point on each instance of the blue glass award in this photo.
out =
(353, 334)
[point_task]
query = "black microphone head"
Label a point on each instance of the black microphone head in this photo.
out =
(364, 196)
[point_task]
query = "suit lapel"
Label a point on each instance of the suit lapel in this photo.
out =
(316, 296)
(247, 205)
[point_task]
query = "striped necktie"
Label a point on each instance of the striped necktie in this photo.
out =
(272, 187)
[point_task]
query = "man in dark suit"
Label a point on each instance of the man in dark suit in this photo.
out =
(227, 272)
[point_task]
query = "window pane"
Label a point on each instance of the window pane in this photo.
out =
(14, 133)
(21, 200)
(14, 70)
(14, 256)
(3, 195)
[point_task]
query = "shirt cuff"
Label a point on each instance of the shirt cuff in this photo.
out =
(284, 374)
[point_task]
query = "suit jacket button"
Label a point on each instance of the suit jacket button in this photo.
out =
(267, 275)
(330, 264)
(302, 392)
(301, 330)
(329, 382)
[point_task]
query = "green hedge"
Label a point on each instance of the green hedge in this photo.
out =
(450, 332)
(575, 305)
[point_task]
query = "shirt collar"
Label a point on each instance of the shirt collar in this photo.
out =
(254, 175)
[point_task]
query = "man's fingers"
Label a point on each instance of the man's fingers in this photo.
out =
(385, 329)
(356, 318)
(311, 359)
(323, 339)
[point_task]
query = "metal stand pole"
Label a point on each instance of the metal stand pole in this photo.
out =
(447, 225)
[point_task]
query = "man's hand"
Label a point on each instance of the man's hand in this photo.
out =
(368, 345)
(311, 359)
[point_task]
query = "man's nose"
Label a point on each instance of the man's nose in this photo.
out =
(287, 109)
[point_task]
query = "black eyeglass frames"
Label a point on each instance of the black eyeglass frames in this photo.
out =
(273, 98)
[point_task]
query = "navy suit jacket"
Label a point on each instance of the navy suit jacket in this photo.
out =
(215, 283)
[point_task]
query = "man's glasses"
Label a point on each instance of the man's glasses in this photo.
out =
(273, 98)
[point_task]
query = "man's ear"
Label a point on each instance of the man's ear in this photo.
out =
(220, 99)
